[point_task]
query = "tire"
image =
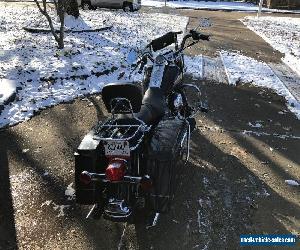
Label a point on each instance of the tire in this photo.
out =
(86, 5)
(164, 162)
(127, 7)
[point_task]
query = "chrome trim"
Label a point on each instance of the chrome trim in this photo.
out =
(113, 129)
(126, 178)
(154, 222)
(178, 101)
(117, 209)
(138, 164)
(199, 96)
(91, 211)
(120, 99)
(188, 142)
(184, 136)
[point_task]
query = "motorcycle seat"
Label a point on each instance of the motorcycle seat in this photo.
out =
(153, 106)
(120, 93)
(149, 108)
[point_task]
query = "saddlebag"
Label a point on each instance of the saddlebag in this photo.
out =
(164, 162)
(88, 157)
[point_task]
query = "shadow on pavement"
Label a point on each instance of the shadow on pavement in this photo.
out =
(215, 203)
(56, 162)
(221, 197)
(8, 239)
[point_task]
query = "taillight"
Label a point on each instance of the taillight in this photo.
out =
(85, 178)
(116, 169)
(146, 183)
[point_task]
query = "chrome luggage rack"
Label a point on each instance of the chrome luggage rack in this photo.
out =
(113, 129)
(117, 128)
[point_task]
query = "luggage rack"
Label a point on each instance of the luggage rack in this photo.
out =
(111, 130)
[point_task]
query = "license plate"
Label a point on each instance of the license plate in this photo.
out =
(116, 148)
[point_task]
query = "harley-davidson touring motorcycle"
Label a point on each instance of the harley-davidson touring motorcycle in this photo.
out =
(133, 160)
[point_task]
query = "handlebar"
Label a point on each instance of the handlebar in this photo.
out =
(198, 36)
(166, 40)
(171, 37)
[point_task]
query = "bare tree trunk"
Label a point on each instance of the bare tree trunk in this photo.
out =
(61, 14)
(71, 7)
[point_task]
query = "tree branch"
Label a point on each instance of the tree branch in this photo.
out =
(39, 7)
(58, 39)
(55, 4)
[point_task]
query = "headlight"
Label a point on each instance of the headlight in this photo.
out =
(160, 59)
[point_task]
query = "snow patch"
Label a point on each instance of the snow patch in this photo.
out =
(7, 89)
(292, 183)
(255, 125)
(194, 66)
(211, 5)
(243, 69)
(90, 60)
(75, 24)
(59, 208)
(282, 33)
(70, 192)
(284, 137)
(201, 5)
(46, 203)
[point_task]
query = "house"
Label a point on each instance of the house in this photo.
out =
(286, 4)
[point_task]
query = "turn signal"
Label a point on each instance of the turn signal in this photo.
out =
(146, 183)
(85, 178)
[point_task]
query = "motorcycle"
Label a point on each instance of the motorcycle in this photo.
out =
(132, 161)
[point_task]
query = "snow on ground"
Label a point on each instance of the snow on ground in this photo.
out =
(211, 5)
(243, 69)
(70, 192)
(7, 89)
(194, 66)
(282, 33)
(47, 76)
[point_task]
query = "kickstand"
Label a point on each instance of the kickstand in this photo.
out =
(95, 212)
(91, 211)
(153, 220)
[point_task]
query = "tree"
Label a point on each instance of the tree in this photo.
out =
(63, 7)
(72, 8)
(59, 38)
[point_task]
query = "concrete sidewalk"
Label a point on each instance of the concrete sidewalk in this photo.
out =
(228, 33)
(215, 70)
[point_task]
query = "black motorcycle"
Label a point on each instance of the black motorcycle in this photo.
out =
(133, 160)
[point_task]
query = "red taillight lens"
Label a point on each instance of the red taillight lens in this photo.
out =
(85, 178)
(116, 169)
(146, 183)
